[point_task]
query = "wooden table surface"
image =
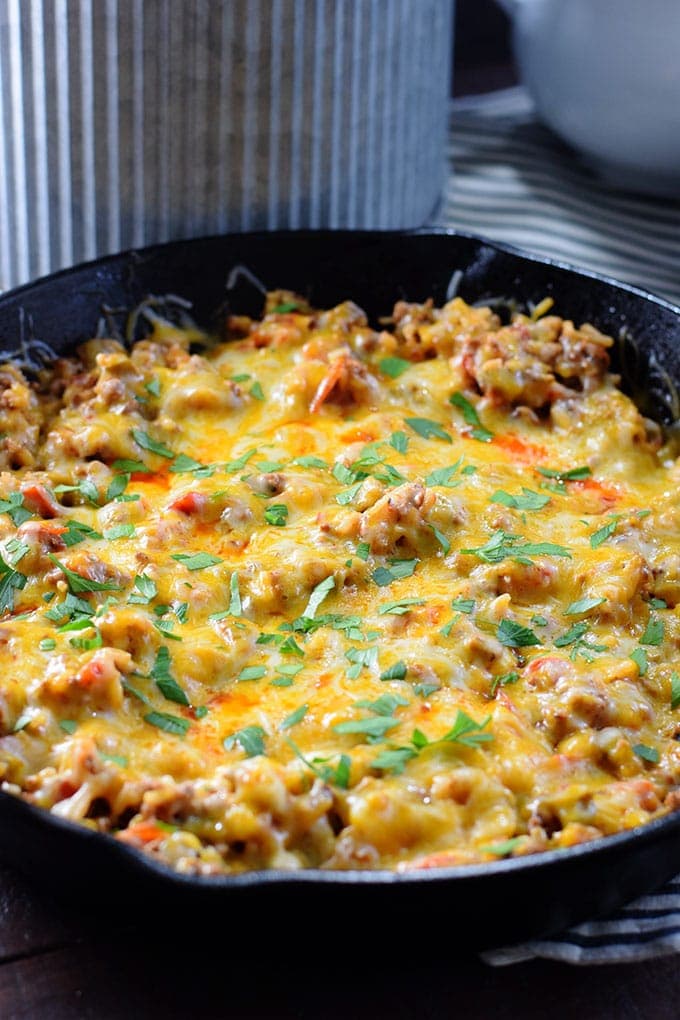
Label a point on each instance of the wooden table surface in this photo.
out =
(58, 963)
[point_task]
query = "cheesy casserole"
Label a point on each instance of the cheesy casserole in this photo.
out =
(323, 594)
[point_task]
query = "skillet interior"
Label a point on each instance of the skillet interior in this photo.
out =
(492, 904)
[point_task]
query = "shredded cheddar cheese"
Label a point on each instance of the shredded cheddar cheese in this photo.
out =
(324, 595)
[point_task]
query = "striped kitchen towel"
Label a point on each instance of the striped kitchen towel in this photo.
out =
(511, 180)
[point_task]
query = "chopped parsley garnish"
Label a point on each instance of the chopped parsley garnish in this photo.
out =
(256, 391)
(654, 632)
(131, 466)
(117, 487)
(397, 671)
(165, 682)
(639, 657)
(250, 739)
(503, 849)
(153, 386)
(68, 725)
(399, 442)
(393, 367)
(285, 307)
(276, 515)
(647, 753)
(119, 531)
(196, 561)
(572, 475)
(503, 681)
(168, 723)
(146, 591)
(294, 718)
(470, 417)
(428, 429)
(146, 442)
(14, 507)
(443, 476)
(529, 500)
(318, 595)
(232, 467)
(397, 569)
(78, 584)
(11, 580)
(77, 532)
(583, 605)
(441, 538)
(605, 532)
(400, 607)
(311, 462)
(503, 544)
(185, 465)
(363, 550)
(463, 605)
(339, 775)
(675, 689)
(468, 732)
(514, 635)
(251, 673)
(343, 498)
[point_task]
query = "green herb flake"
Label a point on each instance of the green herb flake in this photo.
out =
(47, 644)
(165, 682)
(394, 367)
(394, 760)
(146, 591)
(529, 500)
(399, 441)
(343, 498)
(68, 725)
(196, 561)
(185, 465)
(174, 724)
(462, 605)
(319, 593)
(310, 462)
(78, 584)
(14, 507)
(443, 476)
(119, 531)
(468, 732)
(574, 474)
(654, 632)
(256, 391)
(428, 429)
(400, 607)
(235, 604)
(11, 580)
(470, 417)
(363, 550)
(675, 689)
(441, 538)
(251, 673)
(276, 515)
(583, 605)
(294, 718)
(251, 740)
(397, 671)
(146, 442)
(514, 635)
(504, 849)
(647, 753)
(639, 657)
(603, 533)
(153, 387)
(397, 570)
(503, 681)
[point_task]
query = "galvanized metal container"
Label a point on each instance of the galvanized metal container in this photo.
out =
(128, 122)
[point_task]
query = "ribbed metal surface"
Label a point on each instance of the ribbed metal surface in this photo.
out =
(128, 122)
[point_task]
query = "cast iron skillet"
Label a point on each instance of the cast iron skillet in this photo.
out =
(483, 905)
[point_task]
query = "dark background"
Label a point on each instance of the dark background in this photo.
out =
(482, 48)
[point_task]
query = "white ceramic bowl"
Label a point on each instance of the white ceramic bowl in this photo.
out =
(605, 76)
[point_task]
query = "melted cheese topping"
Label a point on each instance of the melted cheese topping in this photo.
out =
(326, 596)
